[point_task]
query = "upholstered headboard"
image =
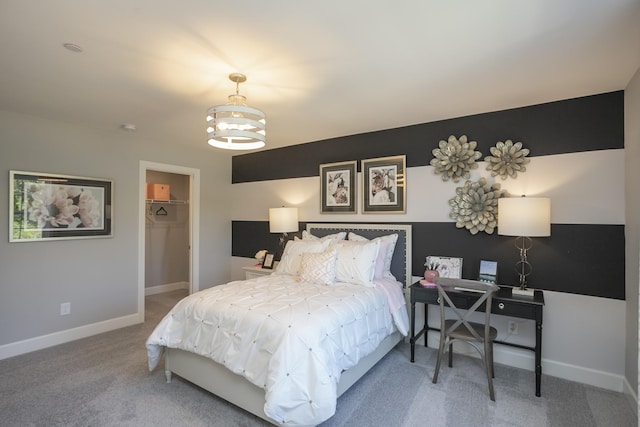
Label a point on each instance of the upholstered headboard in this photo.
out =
(401, 262)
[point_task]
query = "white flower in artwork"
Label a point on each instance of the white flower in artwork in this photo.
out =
(56, 206)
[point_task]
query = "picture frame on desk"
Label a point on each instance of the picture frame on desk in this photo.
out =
(267, 263)
(450, 267)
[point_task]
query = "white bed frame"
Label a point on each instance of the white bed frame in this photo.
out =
(235, 389)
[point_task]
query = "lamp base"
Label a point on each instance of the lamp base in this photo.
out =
(527, 292)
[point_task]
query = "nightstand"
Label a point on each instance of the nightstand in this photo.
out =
(254, 271)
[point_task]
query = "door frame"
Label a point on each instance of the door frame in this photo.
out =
(194, 225)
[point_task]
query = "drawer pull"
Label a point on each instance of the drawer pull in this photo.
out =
(501, 306)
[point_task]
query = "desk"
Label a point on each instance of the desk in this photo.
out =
(504, 303)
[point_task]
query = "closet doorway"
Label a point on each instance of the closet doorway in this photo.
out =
(168, 246)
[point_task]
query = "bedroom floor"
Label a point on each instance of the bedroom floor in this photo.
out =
(104, 381)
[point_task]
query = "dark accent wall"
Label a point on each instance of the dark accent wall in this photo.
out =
(581, 124)
(584, 259)
(577, 258)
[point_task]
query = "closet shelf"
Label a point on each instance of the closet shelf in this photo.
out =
(167, 202)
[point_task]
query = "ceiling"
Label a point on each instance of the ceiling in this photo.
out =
(319, 69)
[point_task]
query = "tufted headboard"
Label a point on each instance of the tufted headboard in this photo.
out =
(401, 262)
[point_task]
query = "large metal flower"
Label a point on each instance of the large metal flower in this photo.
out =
(475, 206)
(455, 158)
(507, 159)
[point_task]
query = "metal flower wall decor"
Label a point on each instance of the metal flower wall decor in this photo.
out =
(475, 206)
(507, 159)
(455, 158)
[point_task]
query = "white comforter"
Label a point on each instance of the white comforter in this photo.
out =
(293, 339)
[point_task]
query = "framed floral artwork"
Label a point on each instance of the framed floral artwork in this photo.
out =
(384, 185)
(45, 206)
(338, 187)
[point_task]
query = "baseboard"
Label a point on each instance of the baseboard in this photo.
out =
(524, 359)
(152, 290)
(38, 343)
(632, 397)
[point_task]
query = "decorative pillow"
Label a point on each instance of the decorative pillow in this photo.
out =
(385, 254)
(337, 236)
(292, 255)
(319, 268)
(356, 261)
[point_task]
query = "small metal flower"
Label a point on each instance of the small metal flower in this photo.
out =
(455, 158)
(475, 206)
(507, 159)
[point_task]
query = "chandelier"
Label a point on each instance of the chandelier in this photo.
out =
(235, 125)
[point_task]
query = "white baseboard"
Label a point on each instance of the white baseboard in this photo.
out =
(525, 359)
(44, 341)
(152, 290)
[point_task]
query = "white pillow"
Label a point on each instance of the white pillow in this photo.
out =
(385, 254)
(319, 268)
(292, 255)
(337, 236)
(356, 261)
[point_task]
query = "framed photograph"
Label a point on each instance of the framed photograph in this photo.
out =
(45, 206)
(338, 187)
(446, 266)
(384, 185)
(267, 263)
(488, 271)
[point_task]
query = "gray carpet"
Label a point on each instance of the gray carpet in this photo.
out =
(104, 381)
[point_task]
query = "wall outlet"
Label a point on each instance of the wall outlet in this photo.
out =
(513, 327)
(65, 308)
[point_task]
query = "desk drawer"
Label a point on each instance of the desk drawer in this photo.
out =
(513, 309)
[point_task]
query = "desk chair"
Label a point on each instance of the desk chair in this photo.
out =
(461, 329)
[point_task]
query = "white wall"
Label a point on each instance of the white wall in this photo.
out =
(578, 196)
(632, 228)
(98, 276)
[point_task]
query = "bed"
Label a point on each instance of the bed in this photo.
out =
(285, 376)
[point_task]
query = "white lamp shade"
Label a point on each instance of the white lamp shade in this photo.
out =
(283, 220)
(524, 216)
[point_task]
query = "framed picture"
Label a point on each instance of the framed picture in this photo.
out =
(338, 187)
(488, 271)
(446, 266)
(384, 185)
(267, 263)
(45, 206)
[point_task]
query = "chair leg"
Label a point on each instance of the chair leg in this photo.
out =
(488, 352)
(451, 355)
(440, 354)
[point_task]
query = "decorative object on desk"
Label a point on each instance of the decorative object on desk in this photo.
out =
(524, 217)
(454, 158)
(488, 271)
(45, 206)
(338, 187)
(283, 220)
(446, 266)
(384, 185)
(235, 125)
(507, 159)
(267, 263)
(475, 206)
(430, 273)
(260, 255)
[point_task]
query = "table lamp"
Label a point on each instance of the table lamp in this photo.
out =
(524, 217)
(283, 220)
